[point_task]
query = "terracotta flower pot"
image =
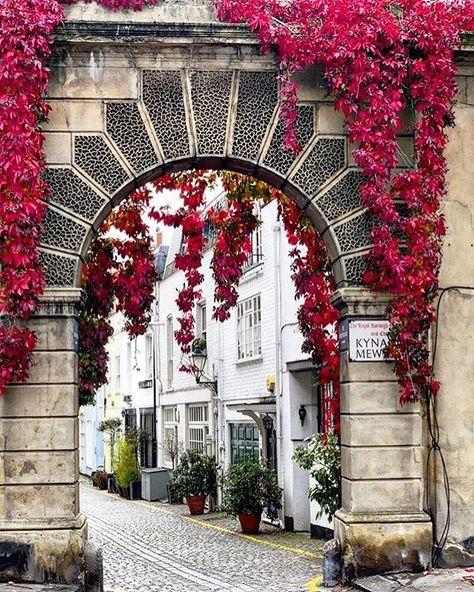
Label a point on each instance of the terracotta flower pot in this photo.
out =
(250, 523)
(196, 503)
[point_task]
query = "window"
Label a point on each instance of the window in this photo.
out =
(198, 413)
(256, 255)
(201, 321)
(149, 356)
(249, 342)
(197, 438)
(117, 373)
(147, 428)
(130, 419)
(170, 415)
(198, 418)
(169, 445)
(169, 349)
(209, 232)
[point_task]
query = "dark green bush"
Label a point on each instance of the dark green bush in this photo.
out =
(248, 487)
(196, 474)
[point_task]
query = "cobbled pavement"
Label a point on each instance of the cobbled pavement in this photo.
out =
(153, 547)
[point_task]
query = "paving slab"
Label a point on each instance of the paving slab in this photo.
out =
(442, 580)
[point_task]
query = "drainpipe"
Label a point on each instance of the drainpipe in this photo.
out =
(219, 419)
(157, 383)
(278, 356)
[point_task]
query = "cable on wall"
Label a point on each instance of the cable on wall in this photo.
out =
(435, 447)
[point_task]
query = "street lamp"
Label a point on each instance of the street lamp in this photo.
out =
(197, 367)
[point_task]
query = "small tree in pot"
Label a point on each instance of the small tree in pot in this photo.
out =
(247, 488)
(126, 471)
(195, 478)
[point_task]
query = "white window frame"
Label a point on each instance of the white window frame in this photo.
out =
(249, 328)
(149, 355)
(169, 350)
(201, 320)
(117, 373)
(170, 426)
(256, 239)
(198, 426)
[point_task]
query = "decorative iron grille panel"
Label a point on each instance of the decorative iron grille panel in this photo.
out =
(258, 96)
(343, 198)
(277, 157)
(94, 157)
(210, 93)
(163, 98)
(355, 267)
(59, 270)
(355, 233)
(70, 191)
(125, 126)
(60, 231)
(325, 159)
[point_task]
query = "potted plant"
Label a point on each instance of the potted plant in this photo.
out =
(126, 471)
(321, 456)
(199, 346)
(195, 478)
(247, 488)
(100, 479)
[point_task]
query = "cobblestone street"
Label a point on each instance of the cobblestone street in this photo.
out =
(152, 547)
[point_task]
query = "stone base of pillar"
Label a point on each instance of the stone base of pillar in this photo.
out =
(49, 551)
(379, 543)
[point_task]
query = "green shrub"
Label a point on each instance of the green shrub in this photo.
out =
(321, 456)
(196, 474)
(126, 469)
(248, 487)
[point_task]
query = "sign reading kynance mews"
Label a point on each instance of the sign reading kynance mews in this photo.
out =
(368, 340)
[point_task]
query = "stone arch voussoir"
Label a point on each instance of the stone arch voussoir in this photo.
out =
(203, 118)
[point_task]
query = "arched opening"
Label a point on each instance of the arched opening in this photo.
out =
(272, 305)
(223, 421)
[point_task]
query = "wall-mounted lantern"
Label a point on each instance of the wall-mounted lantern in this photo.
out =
(302, 413)
(267, 422)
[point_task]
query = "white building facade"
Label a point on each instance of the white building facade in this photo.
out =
(261, 376)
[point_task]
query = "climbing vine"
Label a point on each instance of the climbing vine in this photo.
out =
(380, 59)
(317, 317)
(189, 217)
(235, 226)
(25, 41)
(119, 275)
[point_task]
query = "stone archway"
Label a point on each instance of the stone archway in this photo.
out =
(131, 100)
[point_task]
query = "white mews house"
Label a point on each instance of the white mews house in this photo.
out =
(257, 378)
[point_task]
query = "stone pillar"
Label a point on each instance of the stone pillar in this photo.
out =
(381, 525)
(42, 533)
